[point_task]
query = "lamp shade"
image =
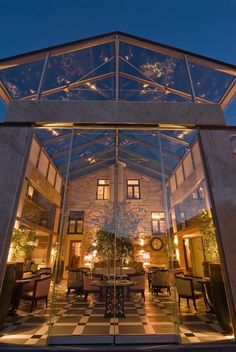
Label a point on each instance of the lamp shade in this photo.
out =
(88, 257)
(146, 256)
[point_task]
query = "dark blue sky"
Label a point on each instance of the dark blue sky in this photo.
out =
(205, 27)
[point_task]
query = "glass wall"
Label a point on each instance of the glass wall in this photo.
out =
(122, 219)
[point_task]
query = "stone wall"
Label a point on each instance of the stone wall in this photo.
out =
(133, 215)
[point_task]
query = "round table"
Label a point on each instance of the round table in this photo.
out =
(114, 290)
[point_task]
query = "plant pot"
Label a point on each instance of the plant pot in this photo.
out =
(7, 289)
(219, 297)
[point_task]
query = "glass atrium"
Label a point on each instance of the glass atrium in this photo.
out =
(116, 218)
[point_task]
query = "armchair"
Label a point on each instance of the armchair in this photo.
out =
(161, 279)
(75, 281)
(40, 291)
(88, 288)
(139, 283)
(185, 289)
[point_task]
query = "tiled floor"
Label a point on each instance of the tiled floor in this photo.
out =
(73, 316)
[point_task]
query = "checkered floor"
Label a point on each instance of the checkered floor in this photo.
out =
(73, 316)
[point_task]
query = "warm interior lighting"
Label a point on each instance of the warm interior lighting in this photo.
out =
(91, 160)
(146, 256)
(176, 241)
(142, 242)
(92, 86)
(183, 133)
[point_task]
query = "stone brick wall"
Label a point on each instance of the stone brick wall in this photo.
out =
(134, 215)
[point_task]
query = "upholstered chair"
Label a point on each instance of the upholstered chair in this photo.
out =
(161, 280)
(88, 287)
(75, 281)
(139, 284)
(185, 289)
(40, 291)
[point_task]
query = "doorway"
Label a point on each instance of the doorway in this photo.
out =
(74, 255)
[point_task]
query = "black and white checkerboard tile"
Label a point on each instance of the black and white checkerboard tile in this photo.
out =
(73, 316)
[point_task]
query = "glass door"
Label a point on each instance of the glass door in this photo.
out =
(113, 241)
(138, 204)
(123, 219)
(144, 281)
(83, 306)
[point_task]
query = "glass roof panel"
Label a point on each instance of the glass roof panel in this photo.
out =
(209, 83)
(230, 111)
(132, 90)
(168, 71)
(94, 149)
(3, 110)
(68, 68)
(22, 80)
(102, 89)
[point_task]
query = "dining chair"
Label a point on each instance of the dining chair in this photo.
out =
(161, 280)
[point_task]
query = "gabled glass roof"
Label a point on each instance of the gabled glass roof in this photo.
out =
(116, 67)
(144, 151)
(113, 67)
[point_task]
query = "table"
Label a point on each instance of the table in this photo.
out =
(114, 296)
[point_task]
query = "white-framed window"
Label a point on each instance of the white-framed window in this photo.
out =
(103, 189)
(76, 222)
(133, 189)
(158, 222)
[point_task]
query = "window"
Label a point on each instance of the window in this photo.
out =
(51, 174)
(173, 184)
(158, 222)
(103, 189)
(41, 242)
(76, 222)
(188, 165)
(179, 175)
(198, 193)
(43, 164)
(133, 189)
(30, 192)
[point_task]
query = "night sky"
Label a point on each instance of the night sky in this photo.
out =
(205, 27)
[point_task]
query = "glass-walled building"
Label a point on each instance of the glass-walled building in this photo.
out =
(117, 190)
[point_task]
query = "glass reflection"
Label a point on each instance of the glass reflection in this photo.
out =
(77, 65)
(209, 84)
(95, 90)
(166, 70)
(22, 80)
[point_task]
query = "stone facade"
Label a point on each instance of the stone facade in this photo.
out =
(133, 215)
